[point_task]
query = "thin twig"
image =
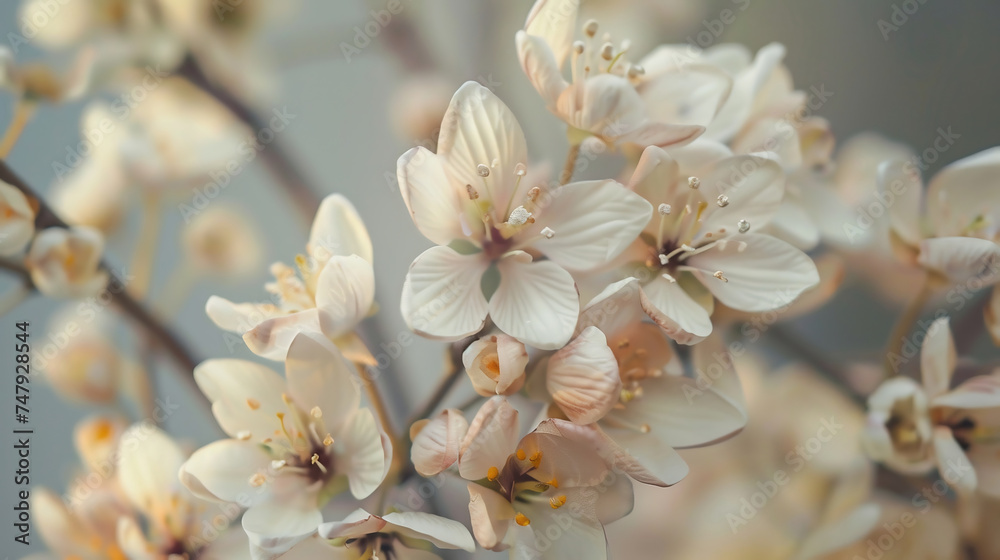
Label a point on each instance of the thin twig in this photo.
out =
(570, 167)
(904, 325)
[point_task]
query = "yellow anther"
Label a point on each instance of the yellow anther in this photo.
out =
(521, 455)
(536, 458)
(522, 520)
(316, 412)
(557, 502)
(328, 440)
(315, 458)
(492, 474)
(254, 404)
(257, 480)
(555, 484)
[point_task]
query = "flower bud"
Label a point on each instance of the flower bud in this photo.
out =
(66, 262)
(495, 364)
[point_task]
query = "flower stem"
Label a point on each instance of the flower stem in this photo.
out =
(382, 411)
(145, 247)
(570, 167)
(903, 326)
(23, 110)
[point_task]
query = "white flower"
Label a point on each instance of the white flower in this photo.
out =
(520, 488)
(296, 442)
(495, 365)
(952, 230)
(470, 199)
(66, 262)
(17, 220)
(332, 292)
(601, 99)
(700, 246)
(913, 428)
(392, 535)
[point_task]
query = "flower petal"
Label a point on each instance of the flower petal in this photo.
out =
(960, 259)
(337, 230)
(361, 453)
(430, 196)
(937, 358)
(583, 377)
(657, 463)
(221, 471)
(437, 444)
(491, 515)
(964, 192)
(270, 339)
(439, 531)
(541, 67)
(245, 396)
(536, 302)
(491, 438)
(345, 292)
(147, 469)
(980, 392)
(320, 380)
(274, 529)
(442, 296)
(594, 221)
(669, 306)
(901, 179)
(762, 272)
(356, 525)
(952, 463)
(754, 186)
(239, 317)
(554, 21)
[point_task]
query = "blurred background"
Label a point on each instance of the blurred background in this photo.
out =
(353, 108)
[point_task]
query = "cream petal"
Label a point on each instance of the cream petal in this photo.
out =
(991, 315)
(713, 365)
(762, 272)
(221, 471)
(490, 440)
(669, 306)
(320, 378)
(362, 454)
(132, 541)
(834, 536)
(614, 310)
(491, 515)
(356, 525)
(646, 132)
(345, 292)
(540, 66)
(615, 501)
(658, 464)
(746, 85)
(271, 338)
(148, 461)
(430, 196)
(442, 297)
(478, 129)
(954, 466)
(239, 317)
(583, 377)
(439, 531)
(656, 175)
(937, 358)
(513, 359)
(754, 185)
(792, 223)
(311, 548)
(593, 221)
(960, 259)
(980, 392)
(338, 230)
(963, 191)
(686, 93)
(274, 529)
(554, 21)
(901, 180)
(437, 444)
(16, 229)
(61, 530)
(536, 302)
(245, 396)
(581, 535)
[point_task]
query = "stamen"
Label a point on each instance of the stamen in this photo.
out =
(492, 474)
(669, 278)
(519, 216)
(257, 480)
(522, 520)
(521, 455)
(548, 232)
(718, 274)
(520, 170)
(590, 28)
(607, 51)
(634, 71)
(328, 440)
(694, 182)
(554, 483)
(316, 412)
(315, 460)
(278, 464)
(483, 170)
(722, 201)
(744, 226)
(663, 209)
(557, 501)
(536, 459)
(473, 193)
(644, 428)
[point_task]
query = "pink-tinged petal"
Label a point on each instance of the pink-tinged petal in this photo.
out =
(356, 525)
(430, 196)
(593, 221)
(362, 454)
(581, 535)
(320, 381)
(442, 296)
(656, 175)
(754, 186)
(540, 66)
(274, 529)
(337, 230)
(147, 466)
(937, 358)
(478, 129)
(982, 391)
(239, 317)
(760, 272)
(345, 292)
(964, 192)
(991, 315)
(669, 306)
(536, 302)
(583, 377)
(437, 444)
(245, 396)
(221, 471)
(960, 259)
(554, 21)
(901, 179)
(647, 458)
(614, 310)
(833, 536)
(437, 530)
(652, 133)
(491, 515)
(491, 439)
(616, 501)
(271, 338)
(682, 412)
(986, 460)
(568, 454)
(954, 466)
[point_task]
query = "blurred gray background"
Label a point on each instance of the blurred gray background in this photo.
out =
(938, 69)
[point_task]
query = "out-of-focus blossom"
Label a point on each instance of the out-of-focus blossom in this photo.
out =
(295, 443)
(699, 247)
(38, 82)
(88, 368)
(520, 488)
(17, 220)
(220, 241)
(66, 262)
(601, 99)
(418, 106)
(495, 365)
(396, 535)
(332, 292)
(470, 199)
(915, 427)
